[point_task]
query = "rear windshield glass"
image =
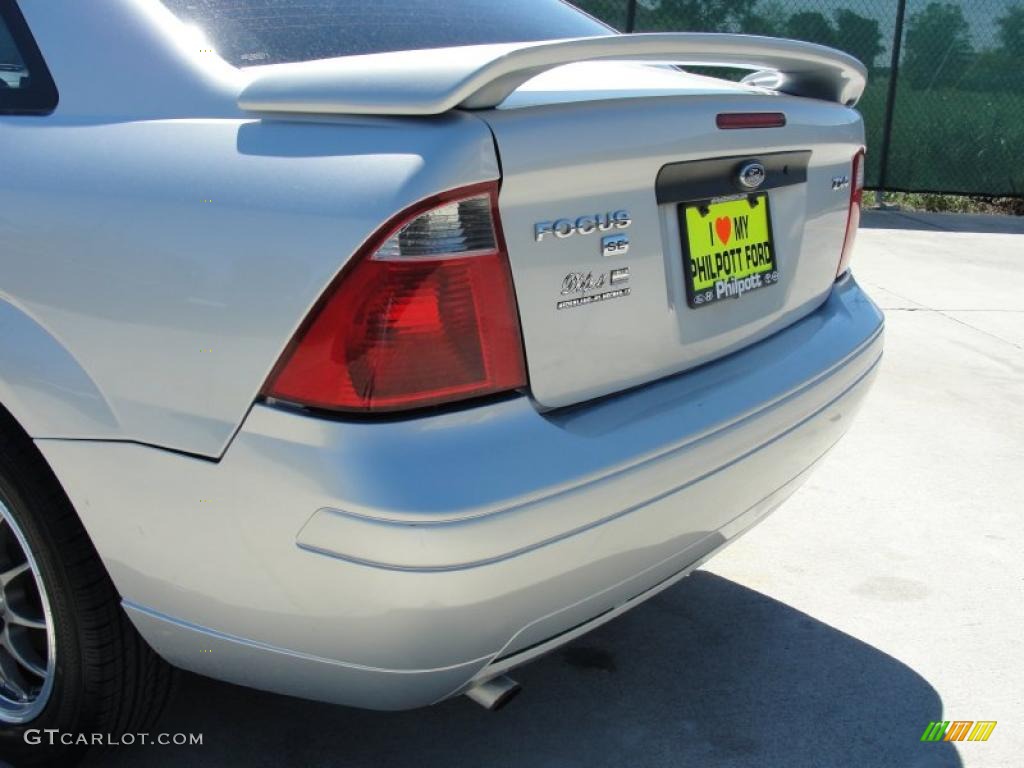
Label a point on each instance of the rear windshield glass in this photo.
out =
(252, 32)
(12, 68)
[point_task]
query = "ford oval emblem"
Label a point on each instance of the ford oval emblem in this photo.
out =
(752, 175)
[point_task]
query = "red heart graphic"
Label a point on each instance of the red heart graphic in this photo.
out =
(723, 226)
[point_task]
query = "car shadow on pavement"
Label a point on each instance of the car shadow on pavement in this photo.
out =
(708, 673)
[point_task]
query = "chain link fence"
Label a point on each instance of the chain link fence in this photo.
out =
(955, 98)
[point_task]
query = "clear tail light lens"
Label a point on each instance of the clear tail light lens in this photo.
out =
(853, 217)
(424, 314)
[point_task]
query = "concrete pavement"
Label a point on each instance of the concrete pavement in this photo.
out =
(888, 592)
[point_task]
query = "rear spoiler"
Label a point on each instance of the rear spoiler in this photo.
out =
(434, 81)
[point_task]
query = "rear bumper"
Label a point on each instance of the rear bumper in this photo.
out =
(387, 565)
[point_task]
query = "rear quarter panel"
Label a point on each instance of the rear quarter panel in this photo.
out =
(172, 260)
(158, 246)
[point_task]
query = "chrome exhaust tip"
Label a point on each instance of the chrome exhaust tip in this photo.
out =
(495, 693)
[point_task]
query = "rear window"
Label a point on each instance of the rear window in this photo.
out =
(26, 87)
(12, 69)
(252, 32)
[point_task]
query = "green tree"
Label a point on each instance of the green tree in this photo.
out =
(813, 27)
(938, 46)
(859, 35)
(694, 15)
(765, 19)
(998, 69)
(1011, 31)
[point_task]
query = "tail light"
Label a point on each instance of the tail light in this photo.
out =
(853, 217)
(424, 314)
(738, 120)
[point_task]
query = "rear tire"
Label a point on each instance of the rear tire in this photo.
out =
(70, 659)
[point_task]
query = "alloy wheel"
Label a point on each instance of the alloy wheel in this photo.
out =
(27, 642)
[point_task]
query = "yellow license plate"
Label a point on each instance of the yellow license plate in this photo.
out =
(727, 249)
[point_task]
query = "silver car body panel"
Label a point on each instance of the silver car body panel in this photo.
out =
(423, 549)
(192, 248)
(223, 286)
(132, 60)
(160, 248)
(200, 297)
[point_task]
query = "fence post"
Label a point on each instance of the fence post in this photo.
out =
(890, 99)
(630, 15)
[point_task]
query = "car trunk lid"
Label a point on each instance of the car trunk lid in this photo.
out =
(596, 179)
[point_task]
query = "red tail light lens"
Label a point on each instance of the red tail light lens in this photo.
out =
(737, 120)
(425, 314)
(853, 217)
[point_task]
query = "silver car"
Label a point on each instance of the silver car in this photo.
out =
(365, 351)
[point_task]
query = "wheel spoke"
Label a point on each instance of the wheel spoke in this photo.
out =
(27, 662)
(13, 617)
(10, 676)
(22, 652)
(12, 573)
